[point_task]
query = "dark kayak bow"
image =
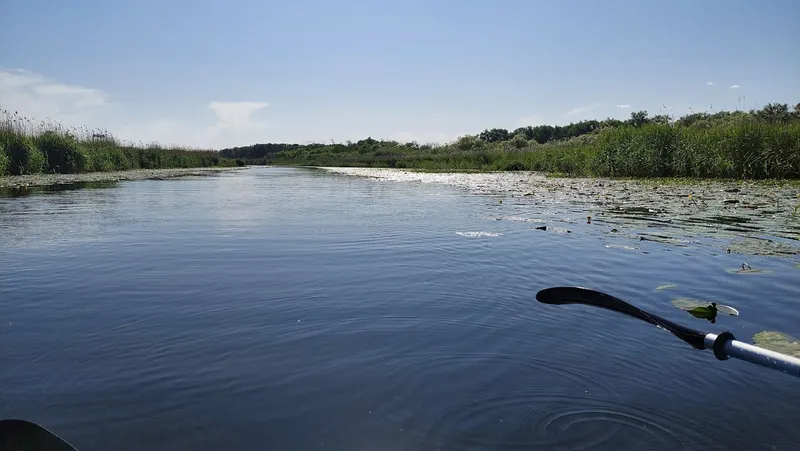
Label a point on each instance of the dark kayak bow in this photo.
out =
(21, 435)
(724, 345)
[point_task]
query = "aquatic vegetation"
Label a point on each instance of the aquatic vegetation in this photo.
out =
(554, 229)
(747, 269)
(522, 219)
(762, 246)
(5, 161)
(704, 310)
(478, 234)
(778, 342)
(649, 210)
(29, 147)
(621, 246)
(24, 156)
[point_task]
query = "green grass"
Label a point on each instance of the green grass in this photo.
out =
(27, 147)
(742, 147)
(762, 145)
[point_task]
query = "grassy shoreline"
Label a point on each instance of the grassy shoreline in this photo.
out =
(744, 149)
(755, 145)
(39, 180)
(30, 147)
(762, 144)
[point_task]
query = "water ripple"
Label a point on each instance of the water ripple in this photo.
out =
(535, 403)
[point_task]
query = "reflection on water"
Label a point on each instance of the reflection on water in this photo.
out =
(59, 213)
(19, 191)
(278, 308)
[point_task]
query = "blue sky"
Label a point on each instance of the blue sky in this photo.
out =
(222, 73)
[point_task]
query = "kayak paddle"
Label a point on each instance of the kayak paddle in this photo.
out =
(724, 345)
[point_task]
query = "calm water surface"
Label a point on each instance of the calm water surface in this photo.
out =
(293, 309)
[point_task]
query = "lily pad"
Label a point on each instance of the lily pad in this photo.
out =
(746, 270)
(757, 246)
(666, 286)
(727, 309)
(704, 310)
(621, 246)
(778, 342)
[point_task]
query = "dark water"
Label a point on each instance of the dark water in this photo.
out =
(294, 309)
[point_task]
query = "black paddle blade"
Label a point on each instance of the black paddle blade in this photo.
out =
(20, 435)
(579, 295)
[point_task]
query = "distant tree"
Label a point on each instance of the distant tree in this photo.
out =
(468, 142)
(519, 141)
(774, 112)
(639, 118)
(527, 132)
(610, 122)
(494, 135)
(543, 133)
(256, 151)
(366, 142)
(660, 119)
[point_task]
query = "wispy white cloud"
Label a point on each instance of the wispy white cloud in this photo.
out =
(581, 109)
(236, 114)
(710, 83)
(17, 78)
(625, 105)
(38, 97)
(235, 120)
(734, 87)
(78, 95)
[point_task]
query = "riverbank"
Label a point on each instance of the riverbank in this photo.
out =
(762, 144)
(46, 147)
(25, 181)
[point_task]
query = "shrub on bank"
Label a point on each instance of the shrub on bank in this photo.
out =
(5, 161)
(25, 157)
(28, 147)
(63, 153)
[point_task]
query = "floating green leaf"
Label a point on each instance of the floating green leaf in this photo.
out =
(703, 309)
(748, 270)
(778, 342)
(666, 286)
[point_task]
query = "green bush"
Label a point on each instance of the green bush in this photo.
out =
(26, 158)
(5, 161)
(64, 154)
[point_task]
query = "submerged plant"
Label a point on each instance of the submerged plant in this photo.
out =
(778, 342)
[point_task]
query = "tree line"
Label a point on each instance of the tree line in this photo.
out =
(763, 143)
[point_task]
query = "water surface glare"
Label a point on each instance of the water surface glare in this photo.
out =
(281, 308)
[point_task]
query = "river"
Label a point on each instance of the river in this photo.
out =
(298, 309)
